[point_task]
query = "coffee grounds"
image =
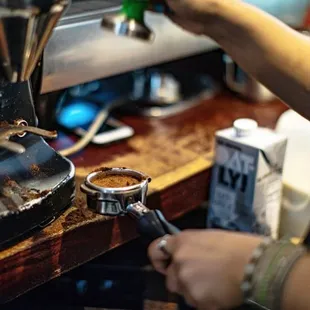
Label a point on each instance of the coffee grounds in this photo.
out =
(115, 180)
(34, 169)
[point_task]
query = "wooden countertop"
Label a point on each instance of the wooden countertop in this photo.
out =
(176, 152)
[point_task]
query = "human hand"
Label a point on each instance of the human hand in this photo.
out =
(196, 16)
(207, 266)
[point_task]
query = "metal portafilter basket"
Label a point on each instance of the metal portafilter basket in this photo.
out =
(129, 200)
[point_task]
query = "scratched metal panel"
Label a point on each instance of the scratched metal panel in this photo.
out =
(80, 51)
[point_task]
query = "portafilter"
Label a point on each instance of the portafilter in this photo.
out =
(131, 199)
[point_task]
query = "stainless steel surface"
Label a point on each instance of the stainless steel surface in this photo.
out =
(121, 25)
(114, 201)
(80, 51)
(8, 131)
(181, 106)
(24, 32)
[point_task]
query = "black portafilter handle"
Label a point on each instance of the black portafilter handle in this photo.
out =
(152, 225)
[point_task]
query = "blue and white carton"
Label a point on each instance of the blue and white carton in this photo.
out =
(246, 185)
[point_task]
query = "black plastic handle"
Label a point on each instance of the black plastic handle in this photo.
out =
(153, 225)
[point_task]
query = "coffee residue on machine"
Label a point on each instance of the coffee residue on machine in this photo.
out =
(34, 169)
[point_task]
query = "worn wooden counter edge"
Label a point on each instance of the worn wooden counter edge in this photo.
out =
(61, 252)
(79, 236)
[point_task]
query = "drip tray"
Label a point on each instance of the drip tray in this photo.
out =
(160, 95)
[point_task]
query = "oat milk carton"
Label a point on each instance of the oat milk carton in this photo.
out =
(246, 185)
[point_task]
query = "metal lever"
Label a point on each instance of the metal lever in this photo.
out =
(9, 131)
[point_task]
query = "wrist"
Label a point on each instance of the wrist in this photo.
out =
(267, 273)
(294, 285)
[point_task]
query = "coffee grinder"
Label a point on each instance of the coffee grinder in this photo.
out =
(36, 183)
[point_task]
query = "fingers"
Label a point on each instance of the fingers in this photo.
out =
(159, 256)
(179, 13)
(158, 6)
(174, 285)
(172, 282)
(178, 252)
(157, 2)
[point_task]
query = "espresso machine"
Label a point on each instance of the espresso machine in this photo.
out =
(36, 183)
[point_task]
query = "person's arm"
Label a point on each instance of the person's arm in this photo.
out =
(264, 47)
(276, 55)
(207, 268)
(296, 293)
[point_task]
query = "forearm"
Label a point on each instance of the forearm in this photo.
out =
(270, 51)
(297, 288)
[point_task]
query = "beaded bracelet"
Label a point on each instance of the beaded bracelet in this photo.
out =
(267, 272)
(247, 284)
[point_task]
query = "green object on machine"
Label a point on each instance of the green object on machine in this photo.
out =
(134, 9)
(130, 21)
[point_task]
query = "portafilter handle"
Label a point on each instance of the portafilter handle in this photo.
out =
(151, 224)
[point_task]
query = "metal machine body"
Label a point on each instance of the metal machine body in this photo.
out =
(36, 183)
(67, 65)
